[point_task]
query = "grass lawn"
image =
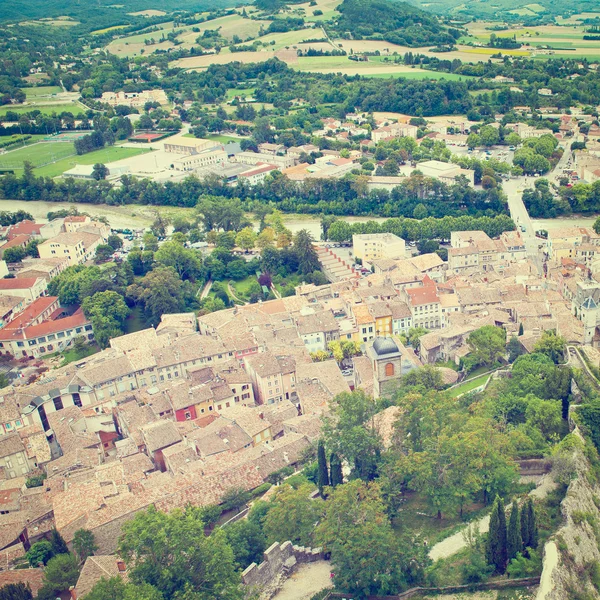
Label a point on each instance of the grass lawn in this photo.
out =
(43, 90)
(242, 287)
(224, 139)
(72, 355)
(105, 155)
(37, 154)
(242, 92)
(136, 321)
(45, 109)
(469, 385)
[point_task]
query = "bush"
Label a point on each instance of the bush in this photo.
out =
(35, 481)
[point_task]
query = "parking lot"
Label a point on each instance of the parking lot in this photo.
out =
(501, 153)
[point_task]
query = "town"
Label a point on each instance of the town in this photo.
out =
(299, 301)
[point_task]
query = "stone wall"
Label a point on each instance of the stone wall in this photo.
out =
(279, 562)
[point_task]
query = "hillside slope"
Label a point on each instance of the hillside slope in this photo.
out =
(394, 22)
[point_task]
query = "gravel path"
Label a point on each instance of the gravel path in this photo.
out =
(309, 579)
(550, 562)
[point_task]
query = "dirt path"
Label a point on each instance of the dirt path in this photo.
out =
(206, 289)
(453, 544)
(550, 562)
(231, 291)
(306, 582)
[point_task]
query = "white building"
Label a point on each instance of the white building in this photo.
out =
(373, 246)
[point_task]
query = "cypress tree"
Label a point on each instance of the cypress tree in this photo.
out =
(532, 525)
(323, 474)
(525, 526)
(336, 470)
(59, 546)
(520, 328)
(495, 551)
(514, 543)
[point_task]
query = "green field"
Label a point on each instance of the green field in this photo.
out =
(421, 74)
(224, 139)
(46, 109)
(37, 154)
(241, 92)
(469, 385)
(105, 155)
(44, 90)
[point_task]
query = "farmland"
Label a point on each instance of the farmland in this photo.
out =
(46, 109)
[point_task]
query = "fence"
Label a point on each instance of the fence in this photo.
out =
(456, 589)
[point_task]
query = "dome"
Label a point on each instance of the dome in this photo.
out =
(383, 346)
(589, 303)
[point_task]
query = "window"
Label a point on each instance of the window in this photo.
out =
(50, 347)
(60, 334)
(188, 415)
(389, 370)
(51, 337)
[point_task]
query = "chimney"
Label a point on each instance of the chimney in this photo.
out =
(121, 566)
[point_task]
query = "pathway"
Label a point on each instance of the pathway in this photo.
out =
(206, 289)
(231, 291)
(304, 583)
(453, 544)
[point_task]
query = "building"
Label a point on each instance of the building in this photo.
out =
(43, 328)
(134, 99)
(10, 307)
(445, 172)
(257, 175)
(317, 330)
(273, 377)
(13, 457)
(199, 160)
(178, 144)
(386, 362)
(47, 268)
(395, 130)
(373, 246)
(78, 247)
(424, 304)
(28, 288)
(261, 158)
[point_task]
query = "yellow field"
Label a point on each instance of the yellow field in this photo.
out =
(148, 13)
(107, 29)
(229, 26)
(490, 51)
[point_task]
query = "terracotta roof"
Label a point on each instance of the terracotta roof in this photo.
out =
(11, 444)
(160, 434)
(77, 319)
(18, 240)
(423, 295)
(96, 568)
(18, 283)
(33, 577)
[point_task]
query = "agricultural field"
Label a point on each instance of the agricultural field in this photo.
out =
(328, 7)
(148, 13)
(55, 22)
(107, 29)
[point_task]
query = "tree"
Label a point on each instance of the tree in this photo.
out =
(16, 591)
(186, 261)
(40, 552)
(99, 171)
(59, 546)
(336, 477)
(103, 253)
(292, 515)
(14, 254)
(414, 335)
(488, 344)
(159, 226)
(84, 544)
(172, 553)
(107, 311)
(552, 345)
(515, 349)
(514, 543)
(150, 242)
(160, 292)
(247, 542)
(116, 589)
(246, 239)
(521, 330)
(529, 528)
(60, 574)
(323, 473)
(308, 260)
(366, 555)
(496, 552)
(351, 434)
(234, 499)
(115, 242)
(266, 238)
(220, 213)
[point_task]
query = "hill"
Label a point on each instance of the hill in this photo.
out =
(395, 22)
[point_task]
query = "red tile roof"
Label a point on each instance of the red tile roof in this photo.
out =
(423, 295)
(17, 240)
(75, 219)
(12, 332)
(24, 228)
(18, 283)
(33, 577)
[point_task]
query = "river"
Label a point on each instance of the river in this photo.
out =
(140, 216)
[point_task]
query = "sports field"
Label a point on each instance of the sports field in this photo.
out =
(38, 154)
(43, 90)
(46, 109)
(105, 155)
